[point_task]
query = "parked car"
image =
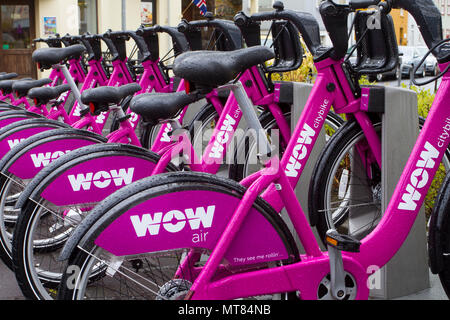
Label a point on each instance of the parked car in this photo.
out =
(393, 74)
(410, 59)
(431, 64)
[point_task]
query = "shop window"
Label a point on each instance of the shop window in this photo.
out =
(227, 9)
(15, 27)
(401, 37)
(223, 9)
(265, 5)
(148, 12)
(88, 16)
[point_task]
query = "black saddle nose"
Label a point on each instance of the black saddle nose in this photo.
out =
(21, 88)
(8, 76)
(44, 95)
(7, 85)
(47, 57)
(216, 68)
(109, 95)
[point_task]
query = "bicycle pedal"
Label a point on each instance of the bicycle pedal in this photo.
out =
(342, 242)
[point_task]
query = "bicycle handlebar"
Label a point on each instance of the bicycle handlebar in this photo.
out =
(228, 28)
(150, 38)
(89, 36)
(116, 42)
(425, 12)
(93, 46)
(70, 40)
(429, 20)
(54, 42)
(119, 35)
(140, 43)
(362, 4)
(304, 22)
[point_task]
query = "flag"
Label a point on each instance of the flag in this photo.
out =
(201, 4)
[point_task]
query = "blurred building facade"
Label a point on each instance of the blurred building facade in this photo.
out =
(23, 20)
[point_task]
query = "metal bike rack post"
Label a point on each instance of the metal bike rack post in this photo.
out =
(301, 93)
(407, 272)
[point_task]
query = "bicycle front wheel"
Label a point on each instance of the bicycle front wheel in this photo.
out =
(345, 191)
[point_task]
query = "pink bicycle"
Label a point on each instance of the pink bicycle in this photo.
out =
(197, 236)
(35, 241)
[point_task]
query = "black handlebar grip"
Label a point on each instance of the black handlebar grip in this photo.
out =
(110, 45)
(241, 19)
(362, 4)
(143, 30)
(147, 30)
(428, 18)
(335, 20)
(183, 26)
(140, 42)
(278, 5)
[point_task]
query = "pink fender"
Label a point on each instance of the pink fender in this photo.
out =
(192, 219)
(95, 179)
(30, 163)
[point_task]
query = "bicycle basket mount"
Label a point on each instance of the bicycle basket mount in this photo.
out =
(286, 44)
(377, 49)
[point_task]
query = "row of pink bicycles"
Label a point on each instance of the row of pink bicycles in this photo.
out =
(134, 176)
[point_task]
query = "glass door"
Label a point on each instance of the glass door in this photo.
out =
(16, 37)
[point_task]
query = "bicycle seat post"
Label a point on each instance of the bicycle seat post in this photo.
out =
(73, 87)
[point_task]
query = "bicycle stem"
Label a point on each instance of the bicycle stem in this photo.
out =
(73, 87)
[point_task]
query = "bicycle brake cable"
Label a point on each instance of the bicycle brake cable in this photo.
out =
(422, 62)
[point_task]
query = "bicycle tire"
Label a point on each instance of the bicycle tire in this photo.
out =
(9, 117)
(439, 236)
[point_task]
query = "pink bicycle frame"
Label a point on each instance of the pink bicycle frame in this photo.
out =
(377, 249)
(119, 76)
(230, 118)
